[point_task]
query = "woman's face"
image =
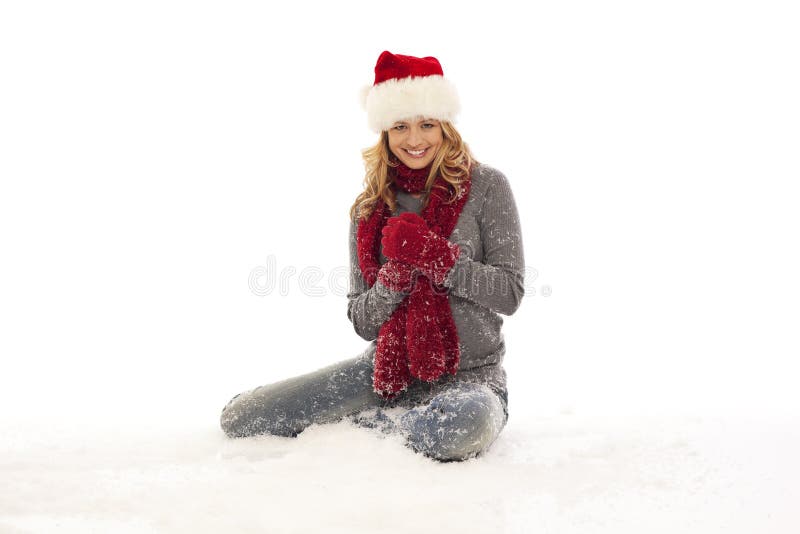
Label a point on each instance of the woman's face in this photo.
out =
(415, 142)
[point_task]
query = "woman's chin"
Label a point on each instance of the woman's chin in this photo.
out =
(416, 163)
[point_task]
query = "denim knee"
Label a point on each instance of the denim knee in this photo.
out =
(245, 417)
(457, 424)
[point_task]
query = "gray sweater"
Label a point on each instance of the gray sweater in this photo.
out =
(487, 279)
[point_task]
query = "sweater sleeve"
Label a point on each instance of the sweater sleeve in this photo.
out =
(368, 308)
(496, 282)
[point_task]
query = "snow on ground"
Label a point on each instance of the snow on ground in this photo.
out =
(544, 474)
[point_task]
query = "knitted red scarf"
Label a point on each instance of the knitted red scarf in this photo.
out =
(420, 338)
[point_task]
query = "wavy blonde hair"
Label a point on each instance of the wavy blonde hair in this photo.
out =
(452, 162)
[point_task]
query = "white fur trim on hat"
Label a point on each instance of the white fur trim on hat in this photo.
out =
(431, 97)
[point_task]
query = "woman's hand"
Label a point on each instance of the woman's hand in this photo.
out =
(407, 239)
(397, 276)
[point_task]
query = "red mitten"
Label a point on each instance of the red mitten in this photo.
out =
(397, 276)
(407, 239)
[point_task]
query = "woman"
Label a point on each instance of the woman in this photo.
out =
(435, 255)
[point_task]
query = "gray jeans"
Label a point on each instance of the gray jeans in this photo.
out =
(455, 418)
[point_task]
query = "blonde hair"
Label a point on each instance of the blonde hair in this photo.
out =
(452, 162)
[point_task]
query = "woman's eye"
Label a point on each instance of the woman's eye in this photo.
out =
(427, 125)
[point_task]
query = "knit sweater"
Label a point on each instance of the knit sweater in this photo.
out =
(486, 280)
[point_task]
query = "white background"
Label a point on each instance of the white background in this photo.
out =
(152, 154)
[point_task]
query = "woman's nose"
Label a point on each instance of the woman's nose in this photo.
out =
(414, 137)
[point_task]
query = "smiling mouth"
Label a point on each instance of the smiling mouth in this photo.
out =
(416, 153)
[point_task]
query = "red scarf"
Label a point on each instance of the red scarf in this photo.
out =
(420, 338)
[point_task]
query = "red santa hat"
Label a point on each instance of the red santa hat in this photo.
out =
(407, 87)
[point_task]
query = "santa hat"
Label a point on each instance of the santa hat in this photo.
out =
(406, 87)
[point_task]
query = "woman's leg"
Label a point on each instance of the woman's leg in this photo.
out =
(453, 420)
(459, 422)
(287, 407)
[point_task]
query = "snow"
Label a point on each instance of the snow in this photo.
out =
(560, 474)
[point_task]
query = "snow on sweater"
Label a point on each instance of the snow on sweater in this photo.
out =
(486, 281)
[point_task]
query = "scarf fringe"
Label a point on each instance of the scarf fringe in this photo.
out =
(420, 339)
